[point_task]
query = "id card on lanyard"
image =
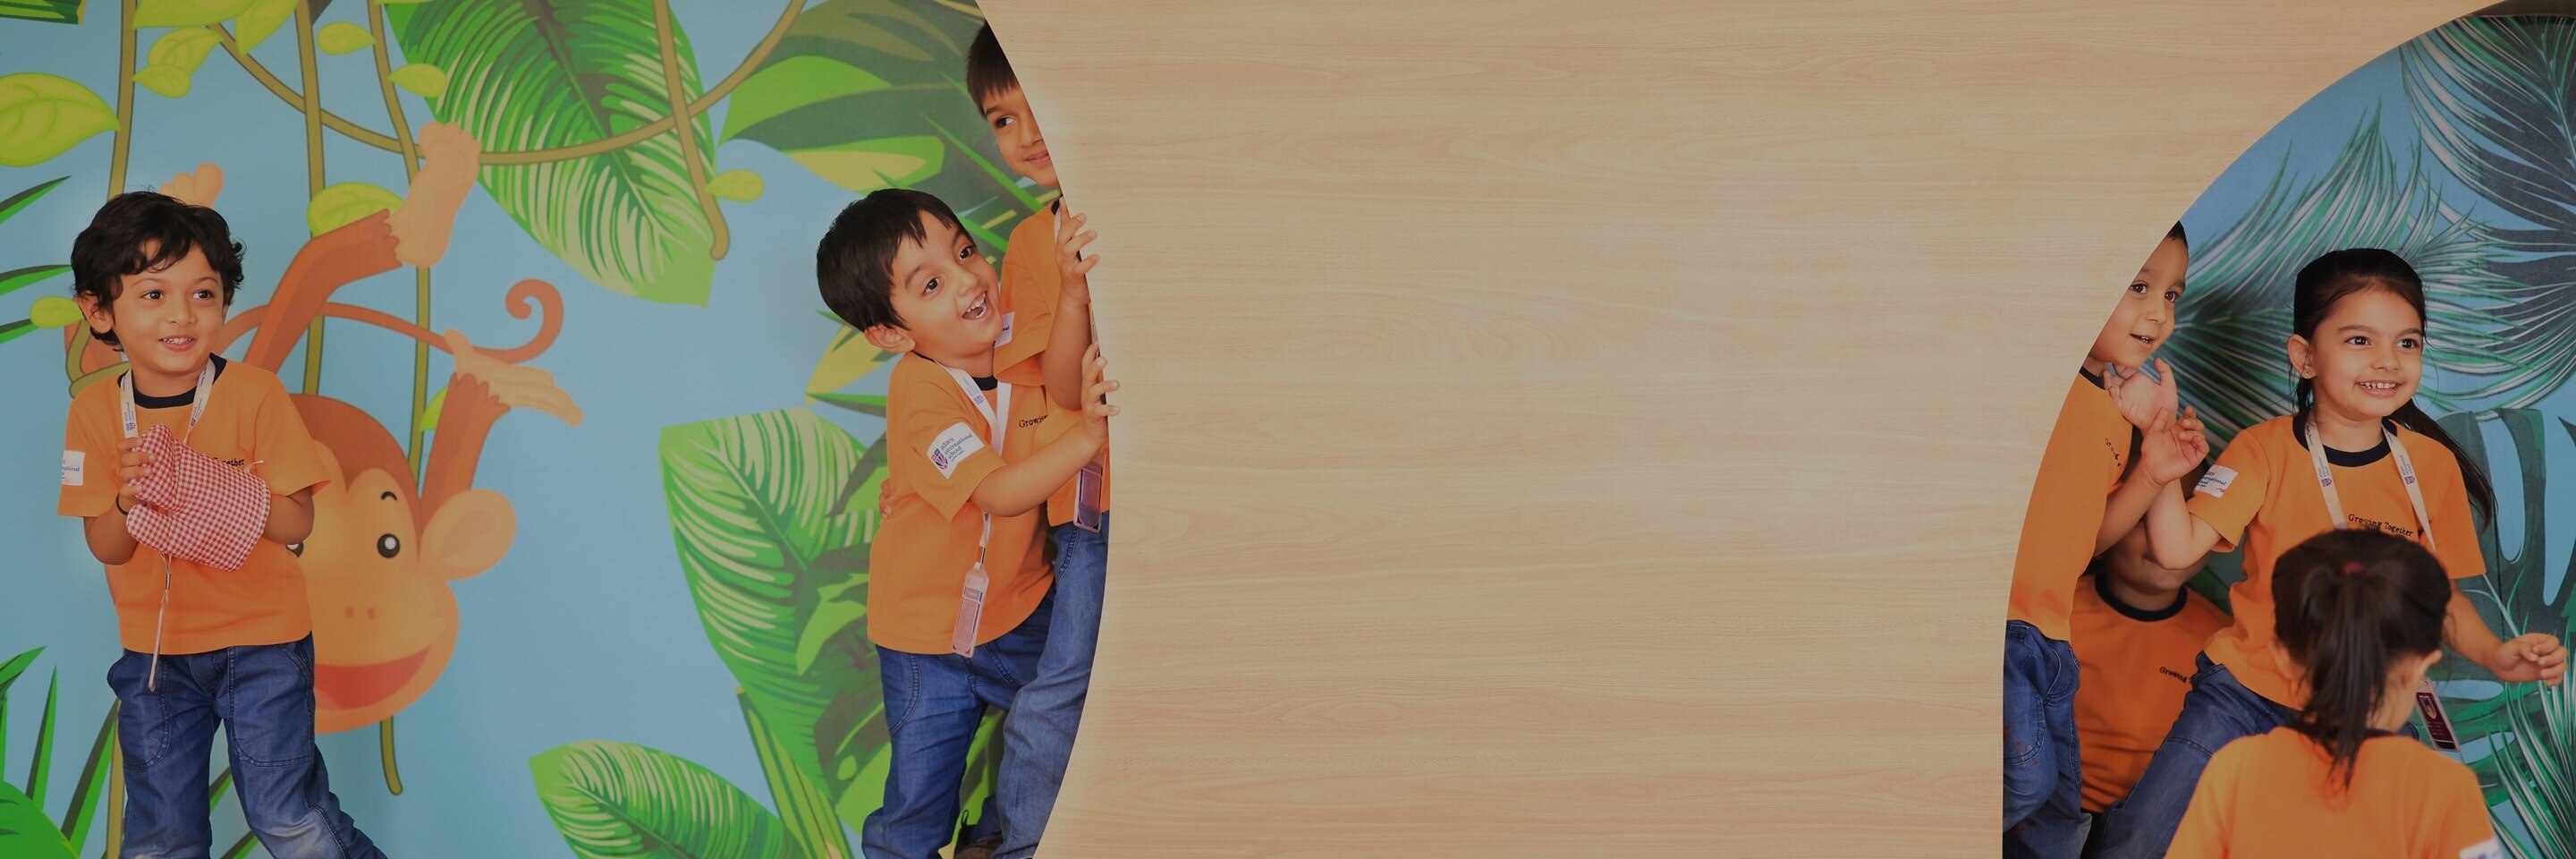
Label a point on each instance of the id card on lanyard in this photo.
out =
(1088, 489)
(2428, 701)
(1090, 486)
(134, 429)
(970, 601)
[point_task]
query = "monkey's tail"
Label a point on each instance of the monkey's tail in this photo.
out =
(525, 298)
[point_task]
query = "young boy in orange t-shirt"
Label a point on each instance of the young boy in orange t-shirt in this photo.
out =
(2137, 632)
(959, 595)
(2079, 505)
(203, 646)
(1047, 295)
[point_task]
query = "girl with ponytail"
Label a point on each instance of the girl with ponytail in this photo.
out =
(2356, 454)
(2359, 621)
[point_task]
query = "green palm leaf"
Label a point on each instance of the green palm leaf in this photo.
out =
(530, 76)
(2495, 102)
(776, 558)
(802, 808)
(19, 202)
(88, 793)
(9, 673)
(2516, 592)
(2235, 314)
(24, 829)
(48, 11)
(2540, 770)
(2525, 726)
(864, 93)
(40, 769)
(623, 801)
(25, 833)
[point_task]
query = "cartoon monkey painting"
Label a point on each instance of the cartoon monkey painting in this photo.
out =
(385, 548)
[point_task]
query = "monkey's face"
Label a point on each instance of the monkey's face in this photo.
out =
(383, 629)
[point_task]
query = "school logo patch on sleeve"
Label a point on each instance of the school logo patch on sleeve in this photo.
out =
(2215, 483)
(953, 446)
(2488, 849)
(75, 468)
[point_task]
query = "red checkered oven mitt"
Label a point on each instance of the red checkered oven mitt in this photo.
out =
(196, 507)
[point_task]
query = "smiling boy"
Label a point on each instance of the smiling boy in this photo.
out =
(203, 646)
(959, 593)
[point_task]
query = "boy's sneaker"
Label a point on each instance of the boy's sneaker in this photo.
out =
(981, 848)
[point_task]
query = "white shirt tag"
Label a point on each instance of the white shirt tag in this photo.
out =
(1005, 339)
(953, 446)
(75, 468)
(2488, 849)
(2214, 484)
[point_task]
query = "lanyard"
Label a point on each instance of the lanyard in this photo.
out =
(196, 410)
(2428, 699)
(970, 598)
(2405, 472)
(995, 415)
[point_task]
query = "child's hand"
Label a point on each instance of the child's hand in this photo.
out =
(2173, 447)
(1096, 385)
(2141, 401)
(2536, 657)
(132, 465)
(1073, 270)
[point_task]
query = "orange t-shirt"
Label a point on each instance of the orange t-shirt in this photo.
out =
(938, 451)
(2082, 463)
(1030, 289)
(2263, 493)
(248, 420)
(2271, 796)
(2135, 665)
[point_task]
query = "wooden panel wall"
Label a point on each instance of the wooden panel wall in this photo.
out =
(1591, 429)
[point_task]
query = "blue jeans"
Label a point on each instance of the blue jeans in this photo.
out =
(1038, 735)
(262, 695)
(2043, 775)
(2217, 711)
(933, 704)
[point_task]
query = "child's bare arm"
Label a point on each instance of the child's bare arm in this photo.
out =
(2128, 505)
(1062, 361)
(107, 538)
(2168, 449)
(2532, 658)
(290, 518)
(2175, 538)
(1021, 486)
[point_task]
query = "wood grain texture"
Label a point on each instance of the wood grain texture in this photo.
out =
(1561, 429)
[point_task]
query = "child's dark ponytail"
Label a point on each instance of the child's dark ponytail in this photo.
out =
(2347, 605)
(2324, 282)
